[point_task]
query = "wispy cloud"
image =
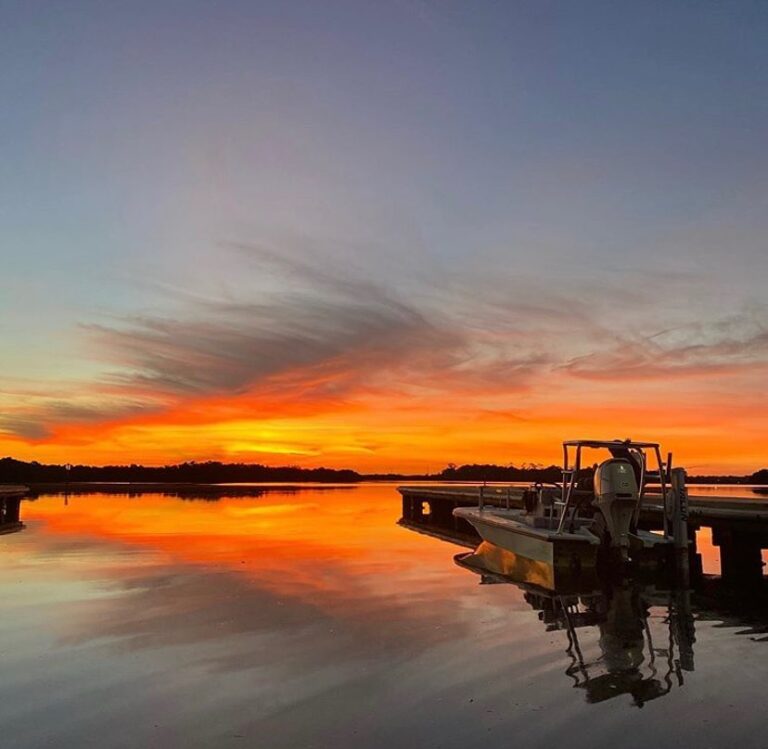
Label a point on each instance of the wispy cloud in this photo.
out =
(318, 331)
(735, 344)
(315, 319)
(34, 415)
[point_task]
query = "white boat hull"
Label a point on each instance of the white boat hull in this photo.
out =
(504, 529)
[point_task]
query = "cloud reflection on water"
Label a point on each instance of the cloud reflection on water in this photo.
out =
(291, 620)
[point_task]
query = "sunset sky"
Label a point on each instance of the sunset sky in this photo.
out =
(383, 235)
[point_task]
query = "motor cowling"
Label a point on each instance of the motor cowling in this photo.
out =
(616, 494)
(615, 478)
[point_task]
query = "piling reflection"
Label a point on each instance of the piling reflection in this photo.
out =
(624, 656)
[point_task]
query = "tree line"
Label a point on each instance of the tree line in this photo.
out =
(14, 471)
(210, 472)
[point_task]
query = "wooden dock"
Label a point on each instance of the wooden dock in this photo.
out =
(10, 507)
(739, 525)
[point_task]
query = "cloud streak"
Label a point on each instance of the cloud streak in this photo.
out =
(736, 345)
(327, 334)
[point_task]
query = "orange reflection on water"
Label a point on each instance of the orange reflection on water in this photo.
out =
(326, 545)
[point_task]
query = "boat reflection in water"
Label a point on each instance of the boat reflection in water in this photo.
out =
(611, 646)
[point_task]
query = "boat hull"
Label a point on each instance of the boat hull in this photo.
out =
(559, 550)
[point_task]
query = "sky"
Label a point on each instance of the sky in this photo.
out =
(386, 236)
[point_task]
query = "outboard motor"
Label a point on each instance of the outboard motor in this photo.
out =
(616, 494)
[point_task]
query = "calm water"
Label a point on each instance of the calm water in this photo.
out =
(311, 619)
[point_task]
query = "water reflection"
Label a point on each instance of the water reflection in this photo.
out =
(626, 659)
(313, 619)
(206, 492)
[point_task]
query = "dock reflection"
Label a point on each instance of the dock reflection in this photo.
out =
(639, 636)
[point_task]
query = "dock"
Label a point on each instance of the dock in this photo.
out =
(10, 507)
(739, 525)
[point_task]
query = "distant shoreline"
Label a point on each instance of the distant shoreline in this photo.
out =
(213, 473)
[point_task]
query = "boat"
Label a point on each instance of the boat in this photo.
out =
(594, 512)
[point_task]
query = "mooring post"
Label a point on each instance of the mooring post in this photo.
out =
(679, 509)
(678, 504)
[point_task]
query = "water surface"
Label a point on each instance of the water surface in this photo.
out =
(311, 619)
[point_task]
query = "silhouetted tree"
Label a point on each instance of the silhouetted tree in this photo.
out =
(211, 472)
